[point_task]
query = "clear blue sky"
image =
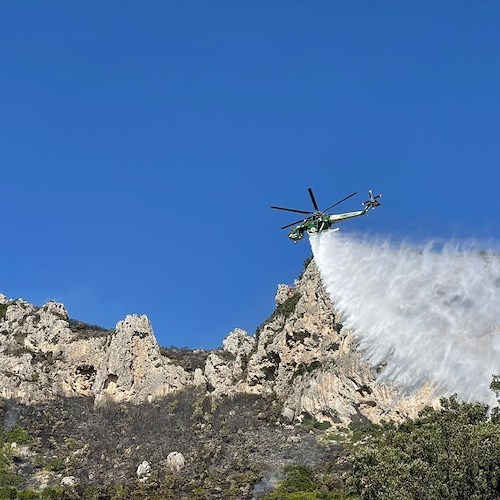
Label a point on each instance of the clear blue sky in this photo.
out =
(142, 144)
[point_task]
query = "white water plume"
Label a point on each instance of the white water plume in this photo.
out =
(422, 314)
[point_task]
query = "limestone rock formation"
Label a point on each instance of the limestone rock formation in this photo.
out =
(305, 357)
(301, 354)
(224, 368)
(44, 355)
(134, 368)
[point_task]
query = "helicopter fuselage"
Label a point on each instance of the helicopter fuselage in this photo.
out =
(319, 222)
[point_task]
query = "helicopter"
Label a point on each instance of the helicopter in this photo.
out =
(320, 220)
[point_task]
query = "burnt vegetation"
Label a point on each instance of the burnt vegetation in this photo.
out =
(185, 357)
(229, 445)
(86, 330)
(236, 448)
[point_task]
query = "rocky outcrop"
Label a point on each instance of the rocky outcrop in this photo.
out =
(44, 355)
(301, 355)
(133, 367)
(305, 357)
(225, 368)
(143, 471)
(175, 461)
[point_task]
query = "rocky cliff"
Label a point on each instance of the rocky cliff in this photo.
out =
(44, 354)
(301, 355)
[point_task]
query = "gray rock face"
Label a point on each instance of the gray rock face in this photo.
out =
(283, 293)
(300, 354)
(305, 357)
(41, 358)
(224, 369)
(134, 368)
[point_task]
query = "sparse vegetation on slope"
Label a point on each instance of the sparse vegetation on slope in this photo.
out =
(3, 310)
(185, 357)
(85, 330)
(450, 453)
(229, 444)
(285, 310)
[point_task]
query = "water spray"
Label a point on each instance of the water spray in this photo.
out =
(428, 314)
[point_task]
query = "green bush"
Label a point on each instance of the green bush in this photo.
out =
(310, 423)
(3, 310)
(297, 479)
(451, 453)
(7, 493)
(17, 435)
(361, 430)
(28, 495)
(8, 479)
(287, 307)
(304, 368)
(55, 464)
(302, 483)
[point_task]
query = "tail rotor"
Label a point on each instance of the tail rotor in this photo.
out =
(372, 200)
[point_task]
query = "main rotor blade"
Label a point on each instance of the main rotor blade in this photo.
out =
(291, 210)
(293, 223)
(341, 201)
(313, 199)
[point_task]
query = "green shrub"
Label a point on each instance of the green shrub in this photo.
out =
(55, 464)
(323, 426)
(361, 430)
(17, 435)
(227, 356)
(297, 478)
(7, 493)
(3, 310)
(304, 368)
(28, 495)
(10, 480)
(451, 453)
(335, 436)
(311, 423)
(285, 309)
(302, 483)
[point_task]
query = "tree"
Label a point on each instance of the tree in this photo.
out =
(450, 453)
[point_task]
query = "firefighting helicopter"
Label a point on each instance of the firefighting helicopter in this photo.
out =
(320, 220)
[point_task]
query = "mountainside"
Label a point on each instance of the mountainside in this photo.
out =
(85, 407)
(301, 354)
